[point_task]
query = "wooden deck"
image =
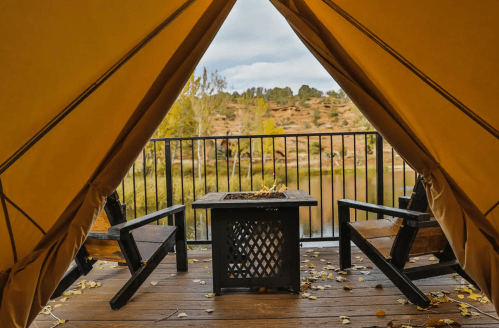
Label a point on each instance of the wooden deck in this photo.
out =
(251, 309)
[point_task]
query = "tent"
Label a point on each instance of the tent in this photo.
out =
(84, 85)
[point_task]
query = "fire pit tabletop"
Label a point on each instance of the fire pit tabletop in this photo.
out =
(293, 198)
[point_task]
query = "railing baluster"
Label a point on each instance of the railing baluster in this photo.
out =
(332, 184)
(273, 154)
(182, 172)
(393, 178)
(355, 171)
(168, 179)
(239, 161)
(403, 169)
(216, 163)
(251, 162)
(156, 178)
(263, 164)
(343, 161)
(297, 167)
(227, 158)
(320, 176)
(144, 176)
(205, 187)
(309, 187)
(194, 189)
(286, 161)
(134, 195)
(379, 172)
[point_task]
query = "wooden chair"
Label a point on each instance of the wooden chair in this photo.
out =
(112, 239)
(389, 243)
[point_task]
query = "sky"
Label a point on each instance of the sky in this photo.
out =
(256, 47)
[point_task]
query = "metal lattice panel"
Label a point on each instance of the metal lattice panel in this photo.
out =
(255, 249)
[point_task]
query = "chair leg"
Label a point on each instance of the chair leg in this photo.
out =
(69, 278)
(137, 279)
(399, 279)
(82, 267)
(459, 270)
(344, 243)
(181, 242)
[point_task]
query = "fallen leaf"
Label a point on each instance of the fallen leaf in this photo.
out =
(344, 317)
(181, 315)
(196, 280)
(209, 310)
(305, 295)
(173, 275)
(460, 296)
(454, 276)
(347, 288)
(154, 283)
(209, 295)
(402, 301)
(422, 308)
(340, 279)
(46, 310)
(64, 299)
(343, 272)
(312, 297)
(361, 280)
(202, 282)
(379, 286)
(207, 260)
(433, 258)
(345, 321)
(484, 300)
(380, 313)
(57, 305)
(113, 266)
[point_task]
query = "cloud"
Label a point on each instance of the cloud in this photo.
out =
(293, 73)
(256, 47)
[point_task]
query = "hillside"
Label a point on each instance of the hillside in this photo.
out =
(298, 118)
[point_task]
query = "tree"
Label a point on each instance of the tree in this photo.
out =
(204, 100)
(304, 92)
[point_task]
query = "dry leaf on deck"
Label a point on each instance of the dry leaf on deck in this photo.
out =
(380, 313)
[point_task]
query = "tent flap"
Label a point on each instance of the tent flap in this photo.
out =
(420, 72)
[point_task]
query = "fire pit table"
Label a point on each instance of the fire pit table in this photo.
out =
(255, 241)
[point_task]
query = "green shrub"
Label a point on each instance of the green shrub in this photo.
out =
(315, 149)
(344, 151)
(336, 119)
(316, 115)
(307, 125)
(333, 112)
(344, 123)
(221, 152)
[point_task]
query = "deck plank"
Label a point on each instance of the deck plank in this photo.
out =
(243, 308)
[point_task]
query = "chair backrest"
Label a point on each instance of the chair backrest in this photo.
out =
(419, 201)
(429, 240)
(108, 250)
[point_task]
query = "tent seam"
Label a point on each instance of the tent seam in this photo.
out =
(7, 220)
(425, 78)
(492, 208)
(94, 86)
(24, 213)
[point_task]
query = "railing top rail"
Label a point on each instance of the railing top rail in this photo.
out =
(269, 136)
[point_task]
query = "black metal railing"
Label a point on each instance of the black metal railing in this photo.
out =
(329, 166)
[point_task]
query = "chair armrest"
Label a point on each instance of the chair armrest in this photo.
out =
(404, 202)
(122, 228)
(392, 211)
